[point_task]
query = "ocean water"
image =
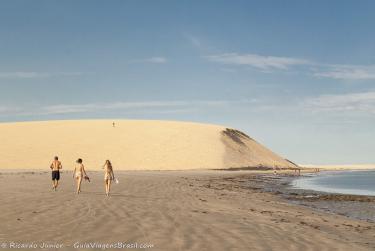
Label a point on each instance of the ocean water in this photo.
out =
(345, 182)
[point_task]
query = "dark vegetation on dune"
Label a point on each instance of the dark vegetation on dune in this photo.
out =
(236, 136)
(292, 162)
(239, 137)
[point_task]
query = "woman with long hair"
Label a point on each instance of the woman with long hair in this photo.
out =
(79, 171)
(108, 176)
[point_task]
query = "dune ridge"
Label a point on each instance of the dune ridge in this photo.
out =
(132, 145)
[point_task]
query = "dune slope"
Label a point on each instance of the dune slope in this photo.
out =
(131, 145)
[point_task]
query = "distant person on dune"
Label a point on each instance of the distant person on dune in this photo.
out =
(78, 173)
(113, 124)
(108, 176)
(55, 167)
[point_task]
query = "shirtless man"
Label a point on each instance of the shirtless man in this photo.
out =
(55, 167)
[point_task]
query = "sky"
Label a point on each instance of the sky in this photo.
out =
(298, 76)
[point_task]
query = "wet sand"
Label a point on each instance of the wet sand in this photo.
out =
(360, 207)
(171, 210)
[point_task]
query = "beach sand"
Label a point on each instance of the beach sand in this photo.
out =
(171, 210)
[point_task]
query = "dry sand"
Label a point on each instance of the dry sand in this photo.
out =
(173, 210)
(131, 145)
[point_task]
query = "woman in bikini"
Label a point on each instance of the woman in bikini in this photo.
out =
(108, 176)
(79, 171)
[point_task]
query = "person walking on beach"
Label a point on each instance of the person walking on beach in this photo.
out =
(55, 167)
(108, 176)
(78, 173)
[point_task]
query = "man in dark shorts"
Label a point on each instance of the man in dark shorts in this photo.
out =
(55, 167)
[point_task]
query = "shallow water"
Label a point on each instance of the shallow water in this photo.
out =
(345, 182)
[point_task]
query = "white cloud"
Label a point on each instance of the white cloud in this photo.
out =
(351, 102)
(257, 61)
(268, 64)
(178, 106)
(160, 106)
(151, 60)
(4, 109)
(348, 72)
(32, 74)
(64, 108)
(24, 75)
(230, 70)
(155, 60)
(193, 40)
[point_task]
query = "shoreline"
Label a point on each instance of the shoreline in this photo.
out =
(308, 182)
(359, 207)
(343, 167)
(351, 205)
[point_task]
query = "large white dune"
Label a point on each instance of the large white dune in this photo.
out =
(131, 145)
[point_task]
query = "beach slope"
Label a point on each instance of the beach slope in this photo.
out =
(169, 210)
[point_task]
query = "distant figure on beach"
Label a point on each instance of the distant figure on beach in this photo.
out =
(108, 176)
(78, 173)
(274, 170)
(55, 167)
(113, 124)
(297, 171)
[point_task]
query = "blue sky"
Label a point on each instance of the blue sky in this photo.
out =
(298, 76)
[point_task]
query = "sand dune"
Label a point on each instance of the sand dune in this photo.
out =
(131, 145)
